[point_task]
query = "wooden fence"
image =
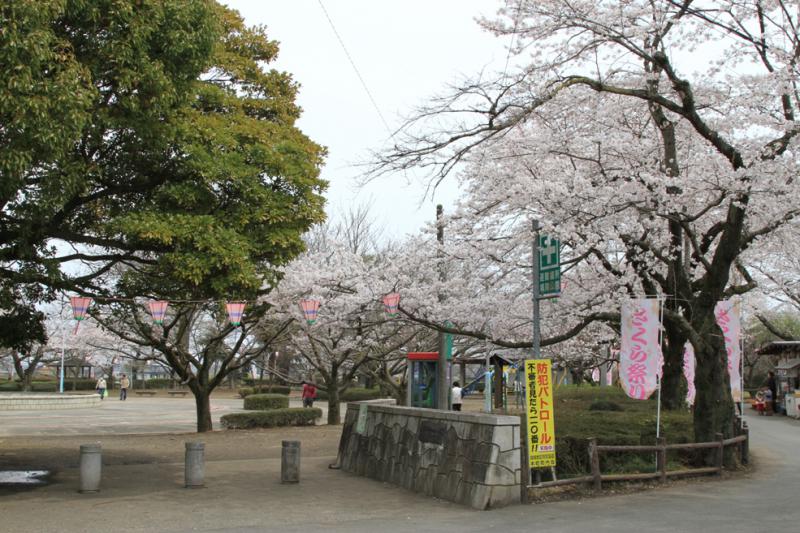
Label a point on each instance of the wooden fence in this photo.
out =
(660, 449)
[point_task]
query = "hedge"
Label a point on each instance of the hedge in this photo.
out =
(49, 386)
(264, 389)
(295, 416)
(154, 383)
(250, 382)
(355, 394)
(257, 402)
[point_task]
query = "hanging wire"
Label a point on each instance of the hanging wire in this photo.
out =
(355, 68)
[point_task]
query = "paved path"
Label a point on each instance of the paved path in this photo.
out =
(245, 496)
(135, 415)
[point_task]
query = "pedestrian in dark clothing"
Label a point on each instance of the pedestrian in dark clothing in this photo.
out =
(772, 385)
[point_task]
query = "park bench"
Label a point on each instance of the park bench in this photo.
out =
(145, 392)
(177, 392)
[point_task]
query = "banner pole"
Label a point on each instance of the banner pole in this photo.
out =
(658, 408)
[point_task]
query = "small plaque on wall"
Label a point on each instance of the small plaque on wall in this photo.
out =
(432, 432)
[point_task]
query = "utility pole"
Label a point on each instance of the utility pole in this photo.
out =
(442, 377)
(537, 353)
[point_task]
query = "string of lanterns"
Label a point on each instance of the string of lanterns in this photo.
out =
(158, 309)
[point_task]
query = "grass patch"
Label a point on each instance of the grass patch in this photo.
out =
(635, 423)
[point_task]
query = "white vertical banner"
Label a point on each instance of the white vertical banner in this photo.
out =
(728, 313)
(640, 352)
(688, 372)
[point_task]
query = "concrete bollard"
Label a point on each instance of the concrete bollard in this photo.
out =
(91, 467)
(195, 468)
(290, 461)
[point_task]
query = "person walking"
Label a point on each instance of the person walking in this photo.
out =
(309, 394)
(455, 396)
(124, 383)
(772, 385)
(101, 387)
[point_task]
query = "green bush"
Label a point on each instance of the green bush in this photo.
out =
(47, 386)
(264, 389)
(295, 416)
(9, 386)
(355, 394)
(256, 402)
(577, 421)
(250, 382)
(154, 383)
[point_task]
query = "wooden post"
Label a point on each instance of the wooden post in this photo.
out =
(744, 448)
(720, 452)
(594, 461)
(661, 458)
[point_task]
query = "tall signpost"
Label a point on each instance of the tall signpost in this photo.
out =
(443, 393)
(546, 284)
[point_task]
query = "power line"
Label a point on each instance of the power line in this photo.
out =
(353, 64)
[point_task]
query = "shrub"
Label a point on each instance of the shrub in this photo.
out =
(264, 389)
(9, 386)
(155, 383)
(355, 394)
(295, 416)
(49, 385)
(256, 402)
(605, 405)
(250, 382)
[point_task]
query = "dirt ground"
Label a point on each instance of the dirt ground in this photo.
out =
(60, 452)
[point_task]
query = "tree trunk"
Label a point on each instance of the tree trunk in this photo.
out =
(673, 391)
(27, 382)
(333, 403)
(202, 400)
(713, 408)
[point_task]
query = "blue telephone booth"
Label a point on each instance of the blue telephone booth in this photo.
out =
(423, 380)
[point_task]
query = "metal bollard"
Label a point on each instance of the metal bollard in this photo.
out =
(195, 465)
(290, 461)
(91, 467)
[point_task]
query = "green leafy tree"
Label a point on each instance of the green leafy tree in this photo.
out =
(178, 171)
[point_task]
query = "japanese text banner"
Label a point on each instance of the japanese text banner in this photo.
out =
(640, 352)
(688, 372)
(728, 317)
(541, 422)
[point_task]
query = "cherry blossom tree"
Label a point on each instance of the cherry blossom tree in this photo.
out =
(196, 341)
(658, 173)
(351, 330)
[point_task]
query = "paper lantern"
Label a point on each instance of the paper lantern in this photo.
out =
(80, 305)
(390, 302)
(158, 308)
(235, 311)
(310, 309)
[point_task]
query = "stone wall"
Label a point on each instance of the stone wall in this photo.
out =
(22, 401)
(468, 458)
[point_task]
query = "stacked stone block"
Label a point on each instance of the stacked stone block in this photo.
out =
(468, 458)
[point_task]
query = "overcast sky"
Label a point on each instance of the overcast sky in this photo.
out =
(405, 51)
